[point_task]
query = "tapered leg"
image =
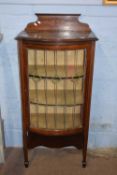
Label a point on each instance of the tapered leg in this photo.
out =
(85, 138)
(25, 149)
(23, 62)
(26, 162)
(84, 163)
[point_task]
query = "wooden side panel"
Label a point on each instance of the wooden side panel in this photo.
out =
(88, 94)
(24, 95)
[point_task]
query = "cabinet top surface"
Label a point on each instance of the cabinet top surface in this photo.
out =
(56, 28)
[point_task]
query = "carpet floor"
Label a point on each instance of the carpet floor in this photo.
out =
(65, 161)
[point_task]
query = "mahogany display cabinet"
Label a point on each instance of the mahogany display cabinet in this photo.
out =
(56, 58)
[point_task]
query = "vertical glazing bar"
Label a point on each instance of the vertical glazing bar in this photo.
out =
(83, 79)
(65, 88)
(74, 85)
(74, 108)
(36, 86)
(76, 61)
(84, 69)
(55, 86)
(84, 60)
(45, 87)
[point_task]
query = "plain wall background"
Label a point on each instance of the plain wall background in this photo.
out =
(103, 21)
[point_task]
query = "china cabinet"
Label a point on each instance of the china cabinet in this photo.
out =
(56, 58)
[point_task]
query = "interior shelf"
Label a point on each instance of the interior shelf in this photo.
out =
(55, 121)
(59, 97)
(49, 71)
